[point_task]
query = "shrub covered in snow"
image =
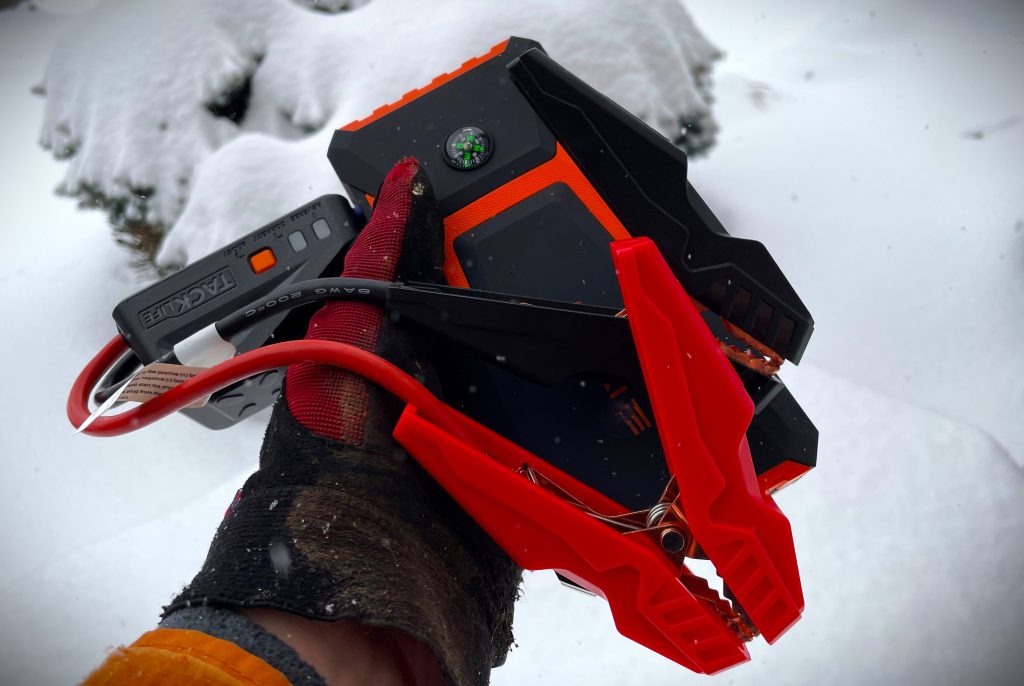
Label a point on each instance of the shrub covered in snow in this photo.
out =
(212, 118)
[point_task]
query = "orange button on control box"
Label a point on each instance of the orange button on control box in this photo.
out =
(262, 260)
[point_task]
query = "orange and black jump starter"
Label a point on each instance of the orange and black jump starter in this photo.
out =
(608, 352)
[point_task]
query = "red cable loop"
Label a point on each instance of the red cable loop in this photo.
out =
(357, 360)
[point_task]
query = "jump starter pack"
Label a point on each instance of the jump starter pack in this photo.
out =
(611, 403)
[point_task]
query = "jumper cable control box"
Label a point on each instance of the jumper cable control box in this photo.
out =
(304, 244)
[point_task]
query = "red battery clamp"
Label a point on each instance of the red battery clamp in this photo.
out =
(713, 499)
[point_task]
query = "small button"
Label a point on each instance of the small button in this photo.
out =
(297, 240)
(321, 228)
(262, 260)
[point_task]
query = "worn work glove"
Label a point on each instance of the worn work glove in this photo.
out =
(339, 522)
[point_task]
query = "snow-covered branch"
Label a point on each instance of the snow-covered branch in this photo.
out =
(212, 118)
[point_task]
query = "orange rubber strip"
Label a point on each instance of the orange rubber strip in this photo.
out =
(436, 83)
(559, 169)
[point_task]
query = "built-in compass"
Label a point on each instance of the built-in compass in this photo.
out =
(468, 148)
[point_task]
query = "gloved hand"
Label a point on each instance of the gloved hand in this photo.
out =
(339, 522)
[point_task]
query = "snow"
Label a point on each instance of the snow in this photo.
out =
(848, 144)
(902, 231)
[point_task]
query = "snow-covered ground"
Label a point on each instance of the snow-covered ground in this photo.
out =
(874, 147)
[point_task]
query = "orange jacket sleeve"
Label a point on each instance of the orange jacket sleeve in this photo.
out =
(182, 656)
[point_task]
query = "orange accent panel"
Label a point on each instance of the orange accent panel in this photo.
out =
(781, 475)
(369, 199)
(263, 260)
(559, 168)
(436, 83)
